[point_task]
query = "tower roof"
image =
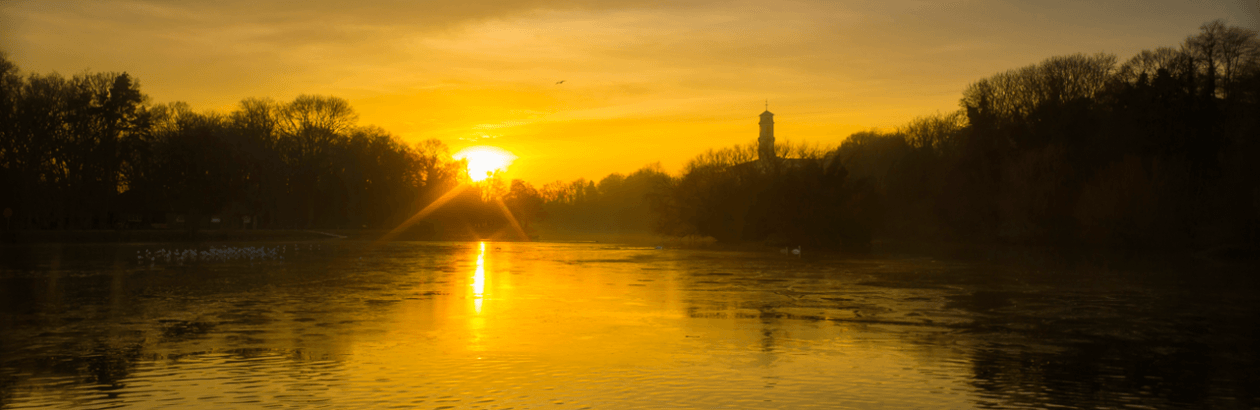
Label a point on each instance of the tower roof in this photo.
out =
(767, 112)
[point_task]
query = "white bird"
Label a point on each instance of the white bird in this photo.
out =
(797, 251)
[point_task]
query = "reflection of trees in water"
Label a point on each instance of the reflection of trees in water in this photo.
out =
(96, 324)
(769, 351)
(109, 365)
(1147, 344)
(1031, 335)
(1104, 371)
(104, 365)
(179, 330)
(7, 386)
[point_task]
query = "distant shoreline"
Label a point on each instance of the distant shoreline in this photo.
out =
(144, 236)
(19, 237)
(1045, 255)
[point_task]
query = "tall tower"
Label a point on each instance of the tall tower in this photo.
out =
(765, 143)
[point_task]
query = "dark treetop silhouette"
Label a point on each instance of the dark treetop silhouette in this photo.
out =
(1159, 151)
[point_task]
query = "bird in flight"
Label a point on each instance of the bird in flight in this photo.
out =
(559, 82)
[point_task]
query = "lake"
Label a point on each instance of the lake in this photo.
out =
(570, 326)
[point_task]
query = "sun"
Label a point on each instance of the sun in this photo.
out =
(484, 160)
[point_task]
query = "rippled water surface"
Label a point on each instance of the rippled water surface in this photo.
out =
(538, 325)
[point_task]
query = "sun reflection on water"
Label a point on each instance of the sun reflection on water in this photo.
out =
(479, 279)
(628, 326)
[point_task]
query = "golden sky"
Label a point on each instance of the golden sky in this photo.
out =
(644, 81)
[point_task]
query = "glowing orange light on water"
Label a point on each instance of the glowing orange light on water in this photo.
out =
(479, 279)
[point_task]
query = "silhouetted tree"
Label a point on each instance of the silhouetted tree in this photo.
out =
(1157, 151)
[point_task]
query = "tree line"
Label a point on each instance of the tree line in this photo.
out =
(616, 207)
(1156, 151)
(91, 152)
(1159, 151)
